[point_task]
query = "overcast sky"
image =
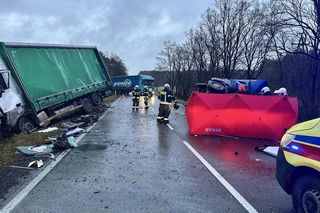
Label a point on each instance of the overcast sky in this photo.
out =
(132, 29)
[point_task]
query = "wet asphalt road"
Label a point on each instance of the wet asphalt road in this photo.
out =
(129, 163)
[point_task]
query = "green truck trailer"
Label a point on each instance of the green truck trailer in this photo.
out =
(39, 82)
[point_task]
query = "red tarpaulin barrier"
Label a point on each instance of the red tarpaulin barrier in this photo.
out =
(250, 116)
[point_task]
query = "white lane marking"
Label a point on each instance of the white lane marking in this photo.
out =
(170, 127)
(24, 192)
(223, 181)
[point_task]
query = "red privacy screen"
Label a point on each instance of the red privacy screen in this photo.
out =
(250, 116)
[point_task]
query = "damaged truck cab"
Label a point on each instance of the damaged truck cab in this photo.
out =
(40, 82)
(12, 104)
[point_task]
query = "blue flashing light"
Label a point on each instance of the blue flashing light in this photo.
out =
(294, 147)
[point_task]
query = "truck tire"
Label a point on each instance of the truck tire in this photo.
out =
(87, 105)
(96, 99)
(306, 194)
(25, 125)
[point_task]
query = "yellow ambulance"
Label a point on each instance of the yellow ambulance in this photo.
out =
(298, 165)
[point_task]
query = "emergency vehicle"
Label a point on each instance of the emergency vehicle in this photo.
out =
(298, 165)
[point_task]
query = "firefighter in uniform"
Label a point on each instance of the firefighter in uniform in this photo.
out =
(145, 95)
(136, 96)
(166, 99)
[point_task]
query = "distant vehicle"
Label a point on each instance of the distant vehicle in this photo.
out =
(39, 82)
(125, 84)
(298, 165)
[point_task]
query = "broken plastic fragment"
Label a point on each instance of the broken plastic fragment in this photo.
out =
(50, 129)
(72, 142)
(42, 148)
(271, 150)
(76, 130)
(36, 163)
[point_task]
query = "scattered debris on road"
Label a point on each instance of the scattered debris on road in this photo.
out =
(50, 129)
(75, 131)
(33, 150)
(270, 150)
(36, 163)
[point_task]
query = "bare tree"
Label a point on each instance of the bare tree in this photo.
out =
(166, 59)
(257, 40)
(232, 36)
(301, 35)
(196, 38)
(210, 23)
(231, 15)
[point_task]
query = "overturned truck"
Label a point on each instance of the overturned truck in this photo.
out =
(40, 82)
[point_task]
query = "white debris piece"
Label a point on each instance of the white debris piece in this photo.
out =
(50, 129)
(271, 150)
(76, 130)
(37, 163)
(72, 142)
(42, 148)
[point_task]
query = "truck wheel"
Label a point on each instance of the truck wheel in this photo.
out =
(87, 105)
(25, 125)
(306, 194)
(96, 99)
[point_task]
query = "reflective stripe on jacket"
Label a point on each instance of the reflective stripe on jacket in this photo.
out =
(166, 97)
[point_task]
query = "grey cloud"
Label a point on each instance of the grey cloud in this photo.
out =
(135, 30)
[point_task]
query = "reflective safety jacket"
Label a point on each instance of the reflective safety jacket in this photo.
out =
(145, 92)
(166, 97)
(136, 93)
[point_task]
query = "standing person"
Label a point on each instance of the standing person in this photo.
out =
(166, 99)
(136, 96)
(145, 94)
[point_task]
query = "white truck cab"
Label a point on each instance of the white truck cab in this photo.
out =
(11, 99)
